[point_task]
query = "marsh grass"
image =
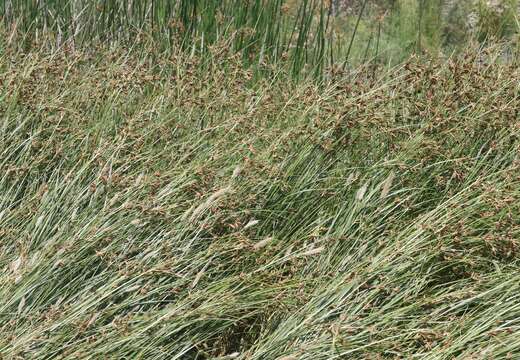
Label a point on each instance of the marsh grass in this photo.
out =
(370, 216)
(170, 187)
(262, 32)
(306, 36)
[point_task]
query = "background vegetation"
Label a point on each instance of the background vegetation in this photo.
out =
(277, 180)
(309, 35)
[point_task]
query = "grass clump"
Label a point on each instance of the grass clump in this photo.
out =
(165, 206)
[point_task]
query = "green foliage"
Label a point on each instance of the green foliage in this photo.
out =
(169, 188)
(497, 19)
(260, 31)
(159, 205)
(304, 36)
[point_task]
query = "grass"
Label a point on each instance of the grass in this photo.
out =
(260, 31)
(304, 36)
(251, 182)
(162, 206)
